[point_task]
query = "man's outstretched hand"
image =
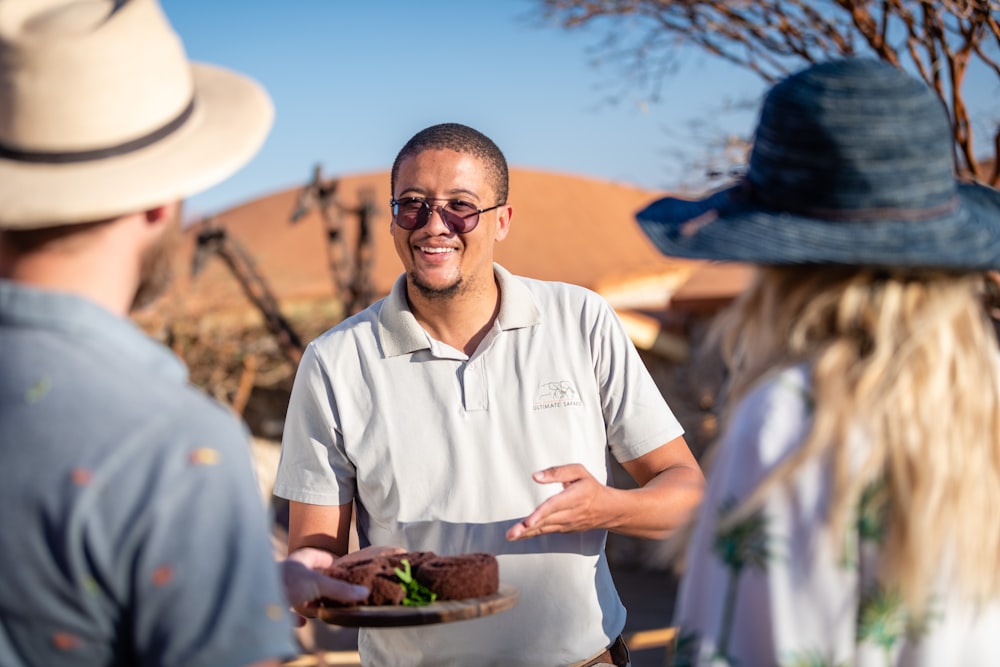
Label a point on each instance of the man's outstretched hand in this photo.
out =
(578, 507)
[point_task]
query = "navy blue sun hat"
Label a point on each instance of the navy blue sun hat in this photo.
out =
(852, 163)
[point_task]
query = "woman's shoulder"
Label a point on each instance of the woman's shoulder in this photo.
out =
(771, 419)
(785, 391)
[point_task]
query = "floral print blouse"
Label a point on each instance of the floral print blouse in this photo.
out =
(779, 590)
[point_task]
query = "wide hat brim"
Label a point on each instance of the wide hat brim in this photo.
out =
(732, 226)
(230, 121)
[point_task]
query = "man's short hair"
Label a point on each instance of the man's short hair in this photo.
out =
(463, 139)
(34, 239)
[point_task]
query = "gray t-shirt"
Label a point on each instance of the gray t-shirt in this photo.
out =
(132, 531)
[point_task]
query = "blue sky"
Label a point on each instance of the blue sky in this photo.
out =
(353, 80)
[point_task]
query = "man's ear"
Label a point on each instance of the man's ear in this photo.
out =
(159, 213)
(503, 221)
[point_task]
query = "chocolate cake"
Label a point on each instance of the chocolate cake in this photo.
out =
(386, 590)
(460, 577)
(449, 577)
(415, 558)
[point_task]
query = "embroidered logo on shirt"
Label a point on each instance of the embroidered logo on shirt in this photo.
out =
(558, 394)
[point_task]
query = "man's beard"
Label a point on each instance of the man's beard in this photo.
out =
(429, 292)
(156, 266)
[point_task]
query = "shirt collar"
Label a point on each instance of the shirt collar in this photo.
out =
(400, 333)
(88, 323)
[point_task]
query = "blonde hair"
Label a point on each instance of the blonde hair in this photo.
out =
(909, 361)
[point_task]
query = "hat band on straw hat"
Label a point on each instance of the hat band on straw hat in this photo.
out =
(67, 157)
(761, 196)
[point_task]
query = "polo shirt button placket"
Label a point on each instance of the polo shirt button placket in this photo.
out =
(474, 385)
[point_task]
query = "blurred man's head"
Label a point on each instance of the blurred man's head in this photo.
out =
(105, 126)
(101, 113)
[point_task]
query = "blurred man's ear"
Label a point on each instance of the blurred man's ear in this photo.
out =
(163, 213)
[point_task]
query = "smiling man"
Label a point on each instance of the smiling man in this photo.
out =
(474, 411)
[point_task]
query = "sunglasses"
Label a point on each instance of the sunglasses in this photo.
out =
(459, 216)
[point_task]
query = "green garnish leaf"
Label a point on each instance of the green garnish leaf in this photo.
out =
(417, 595)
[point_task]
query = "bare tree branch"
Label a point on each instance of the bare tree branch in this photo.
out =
(937, 39)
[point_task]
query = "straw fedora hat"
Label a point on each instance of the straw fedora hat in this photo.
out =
(852, 163)
(102, 114)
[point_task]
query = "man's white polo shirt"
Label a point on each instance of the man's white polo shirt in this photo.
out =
(438, 447)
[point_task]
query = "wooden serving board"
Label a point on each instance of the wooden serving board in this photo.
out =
(447, 611)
